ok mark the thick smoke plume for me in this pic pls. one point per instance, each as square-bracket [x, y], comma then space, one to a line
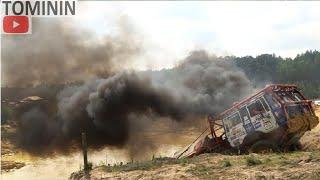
[118, 108]
[114, 110]
[59, 52]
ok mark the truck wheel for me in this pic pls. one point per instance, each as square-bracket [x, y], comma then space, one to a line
[295, 146]
[263, 146]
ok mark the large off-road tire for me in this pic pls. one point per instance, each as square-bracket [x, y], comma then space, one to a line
[264, 146]
[295, 146]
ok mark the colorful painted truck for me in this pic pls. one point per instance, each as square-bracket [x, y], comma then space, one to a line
[274, 119]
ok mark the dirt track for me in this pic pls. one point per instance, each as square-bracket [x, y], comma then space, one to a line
[296, 165]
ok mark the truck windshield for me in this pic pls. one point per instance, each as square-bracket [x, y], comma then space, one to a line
[298, 110]
[273, 102]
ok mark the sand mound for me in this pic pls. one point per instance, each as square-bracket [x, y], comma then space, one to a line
[311, 139]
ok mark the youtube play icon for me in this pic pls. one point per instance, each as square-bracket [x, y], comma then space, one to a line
[16, 24]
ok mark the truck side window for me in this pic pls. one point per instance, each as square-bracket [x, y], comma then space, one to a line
[245, 115]
[226, 123]
[272, 101]
[232, 121]
[264, 104]
[235, 119]
[256, 108]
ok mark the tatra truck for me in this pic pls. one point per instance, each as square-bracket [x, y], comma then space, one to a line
[273, 119]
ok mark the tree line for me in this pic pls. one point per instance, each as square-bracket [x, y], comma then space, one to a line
[303, 70]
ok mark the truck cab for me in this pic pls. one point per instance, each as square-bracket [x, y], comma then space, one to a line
[278, 115]
[275, 118]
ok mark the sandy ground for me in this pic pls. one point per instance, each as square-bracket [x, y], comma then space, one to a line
[296, 165]
[311, 139]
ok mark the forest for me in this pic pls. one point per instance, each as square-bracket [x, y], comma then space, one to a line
[303, 70]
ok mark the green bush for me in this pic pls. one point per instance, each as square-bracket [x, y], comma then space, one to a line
[90, 165]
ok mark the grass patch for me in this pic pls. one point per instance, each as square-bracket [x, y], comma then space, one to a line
[183, 161]
[6, 114]
[133, 166]
[225, 163]
[147, 165]
[199, 170]
[272, 160]
[252, 161]
[314, 156]
[267, 160]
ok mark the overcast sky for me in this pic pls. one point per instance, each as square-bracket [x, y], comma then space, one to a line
[172, 29]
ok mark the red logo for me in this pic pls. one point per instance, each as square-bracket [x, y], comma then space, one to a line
[15, 24]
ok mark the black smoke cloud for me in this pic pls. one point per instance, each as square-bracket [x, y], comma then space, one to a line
[115, 111]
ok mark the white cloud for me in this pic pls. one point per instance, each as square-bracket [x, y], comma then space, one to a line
[171, 29]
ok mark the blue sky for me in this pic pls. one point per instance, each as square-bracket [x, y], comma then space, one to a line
[169, 30]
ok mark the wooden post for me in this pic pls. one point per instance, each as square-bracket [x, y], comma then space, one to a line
[84, 149]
